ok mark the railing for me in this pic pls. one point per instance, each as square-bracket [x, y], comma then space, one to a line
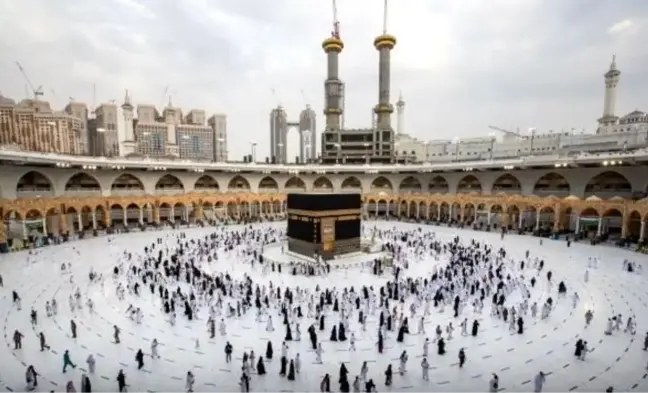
[127, 192]
[34, 194]
[83, 193]
[169, 191]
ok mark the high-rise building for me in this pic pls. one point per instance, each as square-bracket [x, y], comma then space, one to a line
[33, 126]
[194, 138]
[80, 111]
[103, 132]
[278, 134]
[150, 132]
[218, 124]
[307, 135]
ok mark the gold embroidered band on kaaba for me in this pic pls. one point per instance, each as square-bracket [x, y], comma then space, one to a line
[324, 213]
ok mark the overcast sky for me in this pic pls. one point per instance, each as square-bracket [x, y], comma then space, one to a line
[461, 65]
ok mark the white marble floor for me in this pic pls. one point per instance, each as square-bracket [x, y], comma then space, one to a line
[546, 345]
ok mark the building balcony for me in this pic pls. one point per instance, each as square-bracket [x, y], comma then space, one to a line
[128, 192]
[83, 193]
[169, 191]
[34, 194]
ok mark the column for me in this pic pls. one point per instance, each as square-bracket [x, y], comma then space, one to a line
[642, 230]
[438, 211]
[125, 217]
[427, 211]
[80, 222]
[24, 229]
[45, 226]
[520, 219]
[3, 233]
[599, 230]
[476, 213]
[199, 213]
[238, 209]
[94, 220]
[141, 216]
[489, 217]
[462, 213]
[556, 222]
[63, 224]
[577, 231]
[156, 214]
[537, 226]
[624, 225]
[398, 209]
[408, 210]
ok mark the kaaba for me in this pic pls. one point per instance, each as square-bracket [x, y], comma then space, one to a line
[325, 225]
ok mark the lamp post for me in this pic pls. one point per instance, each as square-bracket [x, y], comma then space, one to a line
[337, 154]
[306, 145]
[253, 145]
[281, 145]
[533, 132]
[219, 151]
[456, 140]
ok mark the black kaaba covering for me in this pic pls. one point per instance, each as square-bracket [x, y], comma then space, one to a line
[324, 224]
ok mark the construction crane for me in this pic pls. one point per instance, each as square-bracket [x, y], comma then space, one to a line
[274, 95]
[164, 96]
[507, 132]
[37, 92]
[336, 23]
[304, 98]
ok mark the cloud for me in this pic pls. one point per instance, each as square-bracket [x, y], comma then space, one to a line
[620, 27]
[460, 65]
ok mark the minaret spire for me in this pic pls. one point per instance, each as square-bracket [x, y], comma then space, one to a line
[611, 78]
[384, 43]
[333, 85]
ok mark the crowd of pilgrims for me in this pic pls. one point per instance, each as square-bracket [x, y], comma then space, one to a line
[475, 275]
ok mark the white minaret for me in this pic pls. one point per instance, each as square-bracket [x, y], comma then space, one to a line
[400, 115]
[128, 145]
[609, 102]
[170, 120]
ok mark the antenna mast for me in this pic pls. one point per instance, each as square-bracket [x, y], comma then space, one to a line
[385, 18]
[336, 23]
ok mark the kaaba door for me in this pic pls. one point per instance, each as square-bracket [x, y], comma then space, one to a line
[327, 232]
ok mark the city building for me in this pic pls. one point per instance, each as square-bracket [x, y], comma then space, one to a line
[80, 111]
[218, 124]
[172, 135]
[32, 125]
[103, 134]
[306, 127]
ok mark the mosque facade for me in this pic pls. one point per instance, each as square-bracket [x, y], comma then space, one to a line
[65, 198]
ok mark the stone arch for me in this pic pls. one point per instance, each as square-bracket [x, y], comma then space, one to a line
[438, 184]
[469, 184]
[206, 183]
[607, 184]
[82, 181]
[132, 214]
[381, 183]
[611, 221]
[295, 182]
[552, 183]
[34, 181]
[410, 184]
[634, 225]
[323, 183]
[238, 183]
[169, 182]
[351, 182]
[507, 183]
[127, 181]
[268, 183]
